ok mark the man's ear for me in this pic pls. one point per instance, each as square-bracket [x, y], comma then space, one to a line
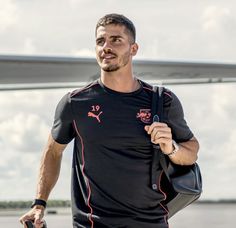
[134, 49]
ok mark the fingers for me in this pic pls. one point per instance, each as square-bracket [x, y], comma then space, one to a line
[160, 137]
[149, 128]
[159, 132]
[31, 224]
[26, 217]
[158, 128]
[162, 141]
[34, 215]
[40, 224]
[38, 219]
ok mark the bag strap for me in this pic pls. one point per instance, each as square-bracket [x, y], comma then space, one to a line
[157, 104]
[157, 115]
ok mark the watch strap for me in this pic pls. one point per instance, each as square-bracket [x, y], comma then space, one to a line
[176, 148]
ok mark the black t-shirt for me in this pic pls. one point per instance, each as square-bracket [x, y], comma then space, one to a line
[111, 185]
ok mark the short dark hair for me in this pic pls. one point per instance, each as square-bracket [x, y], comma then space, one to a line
[118, 19]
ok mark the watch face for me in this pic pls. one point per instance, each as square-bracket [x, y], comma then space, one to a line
[176, 147]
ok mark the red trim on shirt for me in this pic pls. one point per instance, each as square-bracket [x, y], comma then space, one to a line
[85, 177]
[75, 92]
[159, 184]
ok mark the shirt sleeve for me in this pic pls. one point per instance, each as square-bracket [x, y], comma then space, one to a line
[62, 130]
[174, 117]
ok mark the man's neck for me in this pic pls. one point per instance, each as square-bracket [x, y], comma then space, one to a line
[120, 82]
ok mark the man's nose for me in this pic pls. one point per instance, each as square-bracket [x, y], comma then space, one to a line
[107, 47]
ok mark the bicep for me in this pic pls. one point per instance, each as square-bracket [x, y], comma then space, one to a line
[53, 149]
[62, 130]
[58, 147]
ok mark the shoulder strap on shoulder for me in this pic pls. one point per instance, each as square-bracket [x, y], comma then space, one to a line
[157, 115]
[157, 104]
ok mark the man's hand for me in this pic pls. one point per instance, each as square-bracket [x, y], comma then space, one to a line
[35, 214]
[160, 134]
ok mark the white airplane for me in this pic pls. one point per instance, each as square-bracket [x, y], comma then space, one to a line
[41, 72]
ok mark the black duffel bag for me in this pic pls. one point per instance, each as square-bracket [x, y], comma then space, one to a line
[182, 184]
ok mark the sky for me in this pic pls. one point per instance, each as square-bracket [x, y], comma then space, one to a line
[184, 30]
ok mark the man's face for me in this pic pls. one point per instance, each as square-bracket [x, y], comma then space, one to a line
[113, 47]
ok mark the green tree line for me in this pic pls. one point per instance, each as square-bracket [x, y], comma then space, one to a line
[26, 204]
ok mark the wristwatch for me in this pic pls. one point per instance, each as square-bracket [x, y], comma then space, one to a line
[176, 148]
[39, 202]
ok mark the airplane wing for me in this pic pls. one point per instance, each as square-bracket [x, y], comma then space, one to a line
[37, 72]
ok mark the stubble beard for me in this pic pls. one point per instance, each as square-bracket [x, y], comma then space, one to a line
[111, 68]
[115, 67]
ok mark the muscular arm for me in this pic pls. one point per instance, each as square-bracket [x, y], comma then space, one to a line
[49, 168]
[63, 132]
[48, 175]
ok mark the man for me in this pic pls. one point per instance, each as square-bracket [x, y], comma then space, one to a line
[112, 128]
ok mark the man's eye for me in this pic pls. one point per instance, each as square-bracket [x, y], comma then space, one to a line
[116, 40]
[100, 42]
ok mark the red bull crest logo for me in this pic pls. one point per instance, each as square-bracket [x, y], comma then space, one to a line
[144, 115]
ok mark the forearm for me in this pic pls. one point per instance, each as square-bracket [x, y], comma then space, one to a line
[49, 169]
[187, 153]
